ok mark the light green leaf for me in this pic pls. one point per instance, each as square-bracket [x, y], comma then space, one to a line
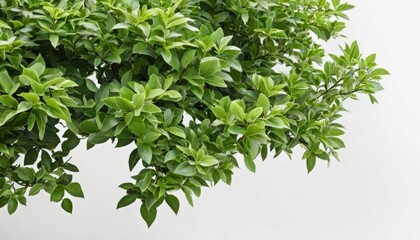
[150, 108]
[9, 101]
[208, 161]
[254, 114]
[6, 82]
[54, 40]
[263, 102]
[171, 95]
[145, 152]
[119, 103]
[237, 111]
[249, 163]
[30, 97]
[188, 57]
[177, 131]
[310, 163]
[185, 169]
[209, 66]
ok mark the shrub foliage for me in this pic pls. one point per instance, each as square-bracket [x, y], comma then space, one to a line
[252, 75]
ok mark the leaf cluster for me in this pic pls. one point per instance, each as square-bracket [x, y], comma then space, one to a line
[131, 71]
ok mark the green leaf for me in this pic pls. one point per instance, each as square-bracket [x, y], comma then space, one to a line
[144, 49]
[46, 160]
[236, 130]
[54, 40]
[26, 174]
[41, 120]
[57, 194]
[310, 163]
[185, 169]
[379, 72]
[113, 58]
[133, 159]
[2, 182]
[67, 205]
[171, 95]
[145, 181]
[216, 81]
[149, 215]
[249, 163]
[75, 190]
[108, 123]
[263, 102]
[145, 152]
[137, 126]
[150, 108]
[335, 142]
[166, 55]
[4, 162]
[30, 97]
[150, 137]
[237, 111]
[126, 200]
[12, 205]
[9, 101]
[254, 114]
[121, 26]
[119, 103]
[88, 126]
[188, 57]
[219, 112]
[277, 122]
[208, 161]
[177, 131]
[172, 202]
[31, 156]
[55, 110]
[6, 82]
[209, 66]
[35, 189]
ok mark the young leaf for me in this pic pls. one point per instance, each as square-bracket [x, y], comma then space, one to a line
[208, 161]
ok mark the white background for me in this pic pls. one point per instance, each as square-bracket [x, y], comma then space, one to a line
[372, 194]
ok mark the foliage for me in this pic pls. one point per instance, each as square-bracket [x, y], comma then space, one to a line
[131, 71]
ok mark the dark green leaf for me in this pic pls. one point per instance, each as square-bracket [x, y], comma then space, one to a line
[67, 205]
[75, 190]
[172, 202]
[57, 194]
[12, 205]
[126, 200]
[149, 215]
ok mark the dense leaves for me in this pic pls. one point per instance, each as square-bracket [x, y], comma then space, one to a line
[252, 77]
